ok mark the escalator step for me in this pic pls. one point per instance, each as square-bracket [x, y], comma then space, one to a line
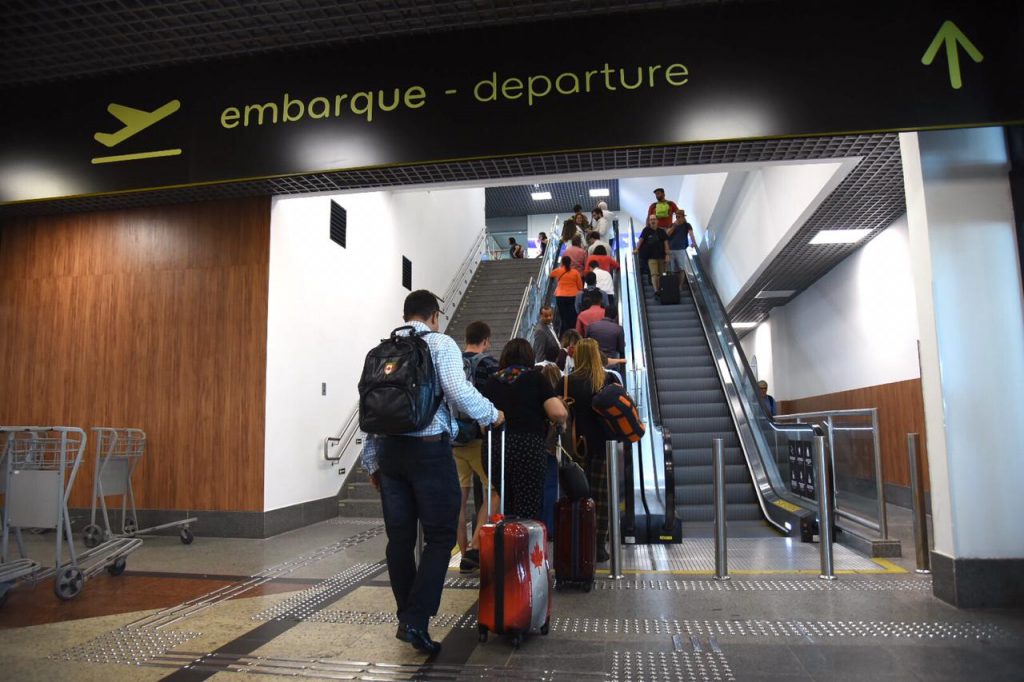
[686, 441]
[680, 410]
[704, 475]
[706, 513]
[735, 493]
[701, 456]
[698, 425]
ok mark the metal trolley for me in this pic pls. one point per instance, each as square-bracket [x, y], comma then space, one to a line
[118, 452]
[40, 466]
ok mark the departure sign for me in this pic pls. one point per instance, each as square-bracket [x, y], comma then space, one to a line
[717, 72]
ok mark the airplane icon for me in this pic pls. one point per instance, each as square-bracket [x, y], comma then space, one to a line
[135, 121]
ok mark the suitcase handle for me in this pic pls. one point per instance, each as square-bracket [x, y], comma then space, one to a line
[490, 476]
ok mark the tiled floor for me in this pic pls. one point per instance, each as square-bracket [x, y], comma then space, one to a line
[316, 603]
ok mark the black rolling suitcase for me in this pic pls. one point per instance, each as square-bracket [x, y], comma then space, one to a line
[669, 288]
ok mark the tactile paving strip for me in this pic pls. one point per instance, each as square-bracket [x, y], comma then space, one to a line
[462, 583]
[356, 521]
[734, 585]
[441, 620]
[127, 646]
[359, 670]
[309, 601]
[745, 554]
[780, 628]
[670, 666]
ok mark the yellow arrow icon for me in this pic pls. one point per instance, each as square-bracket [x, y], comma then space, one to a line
[951, 36]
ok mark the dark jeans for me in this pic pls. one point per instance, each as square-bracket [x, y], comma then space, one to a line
[418, 484]
[566, 312]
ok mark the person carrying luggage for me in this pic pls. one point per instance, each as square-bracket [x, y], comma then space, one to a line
[528, 401]
[587, 378]
[411, 386]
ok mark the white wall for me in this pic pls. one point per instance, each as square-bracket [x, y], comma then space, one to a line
[968, 282]
[855, 327]
[328, 306]
[773, 205]
[699, 196]
[757, 346]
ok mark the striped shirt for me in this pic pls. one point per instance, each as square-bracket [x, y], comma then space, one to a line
[459, 395]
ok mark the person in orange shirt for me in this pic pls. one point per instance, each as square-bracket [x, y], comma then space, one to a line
[607, 263]
[568, 283]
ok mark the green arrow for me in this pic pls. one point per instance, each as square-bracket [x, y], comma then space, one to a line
[951, 35]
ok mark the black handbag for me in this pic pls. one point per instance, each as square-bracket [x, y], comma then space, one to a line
[572, 478]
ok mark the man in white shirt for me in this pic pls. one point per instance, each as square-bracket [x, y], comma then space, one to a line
[604, 282]
[600, 223]
[595, 240]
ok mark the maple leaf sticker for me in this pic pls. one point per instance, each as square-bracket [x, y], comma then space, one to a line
[537, 556]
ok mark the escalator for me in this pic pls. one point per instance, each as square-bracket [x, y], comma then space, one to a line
[694, 409]
[693, 384]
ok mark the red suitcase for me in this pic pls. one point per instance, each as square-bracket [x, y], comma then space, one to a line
[575, 543]
[515, 580]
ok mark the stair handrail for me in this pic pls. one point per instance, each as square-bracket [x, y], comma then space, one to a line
[537, 291]
[524, 301]
[350, 432]
[451, 298]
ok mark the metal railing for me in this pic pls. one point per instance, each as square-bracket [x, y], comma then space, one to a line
[855, 455]
[537, 292]
[349, 434]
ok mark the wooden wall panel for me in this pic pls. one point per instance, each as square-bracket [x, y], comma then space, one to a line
[900, 411]
[154, 318]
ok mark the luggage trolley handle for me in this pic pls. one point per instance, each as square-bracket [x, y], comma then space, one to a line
[491, 479]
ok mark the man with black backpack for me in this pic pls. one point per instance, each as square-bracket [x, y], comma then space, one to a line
[478, 367]
[411, 386]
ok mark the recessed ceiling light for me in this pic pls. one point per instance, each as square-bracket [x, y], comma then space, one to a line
[775, 293]
[744, 325]
[839, 236]
[540, 196]
[599, 192]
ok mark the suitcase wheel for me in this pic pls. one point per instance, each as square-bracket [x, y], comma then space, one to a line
[546, 628]
[482, 634]
[588, 586]
[517, 640]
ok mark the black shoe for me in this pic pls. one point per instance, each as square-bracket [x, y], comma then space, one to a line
[419, 639]
[602, 554]
[470, 561]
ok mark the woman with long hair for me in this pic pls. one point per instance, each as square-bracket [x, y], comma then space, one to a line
[569, 282]
[529, 401]
[587, 378]
[542, 239]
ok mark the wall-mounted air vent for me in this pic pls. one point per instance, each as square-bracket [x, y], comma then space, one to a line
[339, 224]
[406, 273]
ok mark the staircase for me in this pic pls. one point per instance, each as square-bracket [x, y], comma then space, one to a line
[694, 409]
[493, 296]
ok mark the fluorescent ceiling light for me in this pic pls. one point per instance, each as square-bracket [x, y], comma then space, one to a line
[540, 196]
[744, 325]
[599, 192]
[775, 293]
[839, 236]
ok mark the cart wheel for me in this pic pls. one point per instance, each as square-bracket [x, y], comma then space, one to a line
[546, 628]
[482, 636]
[130, 526]
[92, 536]
[588, 586]
[68, 583]
[186, 536]
[117, 568]
[517, 640]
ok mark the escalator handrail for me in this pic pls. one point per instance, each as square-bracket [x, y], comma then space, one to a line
[725, 345]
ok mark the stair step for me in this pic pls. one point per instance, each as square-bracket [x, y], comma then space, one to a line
[686, 456]
[704, 475]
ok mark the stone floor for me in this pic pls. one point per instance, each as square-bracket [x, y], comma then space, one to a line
[316, 603]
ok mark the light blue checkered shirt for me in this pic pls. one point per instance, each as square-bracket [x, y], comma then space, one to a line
[458, 393]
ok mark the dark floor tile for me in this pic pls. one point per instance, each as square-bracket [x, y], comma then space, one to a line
[869, 660]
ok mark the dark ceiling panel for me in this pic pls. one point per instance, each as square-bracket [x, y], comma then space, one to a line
[60, 39]
[506, 202]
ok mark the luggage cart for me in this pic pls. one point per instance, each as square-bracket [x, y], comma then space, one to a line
[11, 571]
[40, 468]
[118, 452]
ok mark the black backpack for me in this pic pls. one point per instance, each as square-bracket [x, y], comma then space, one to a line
[398, 391]
[468, 430]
